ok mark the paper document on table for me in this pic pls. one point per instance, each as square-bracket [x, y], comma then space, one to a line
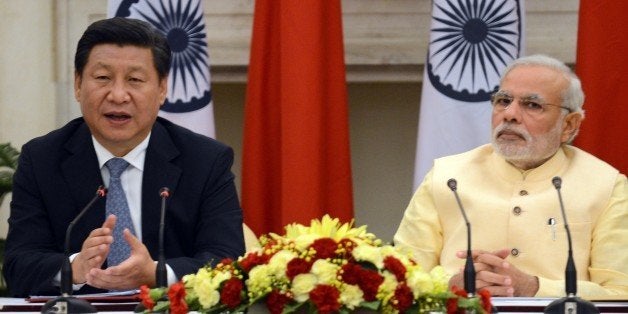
[112, 296]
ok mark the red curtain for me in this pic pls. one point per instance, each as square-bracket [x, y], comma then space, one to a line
[602, 64]
[296, 161]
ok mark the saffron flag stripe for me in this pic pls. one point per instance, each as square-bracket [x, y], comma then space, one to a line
[189, 102]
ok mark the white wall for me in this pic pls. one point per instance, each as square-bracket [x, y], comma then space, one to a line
[26, 75]
[385, 43]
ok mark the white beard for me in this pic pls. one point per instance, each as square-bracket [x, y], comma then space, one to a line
[536, 150]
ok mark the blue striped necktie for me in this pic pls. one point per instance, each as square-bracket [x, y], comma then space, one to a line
[117, 204]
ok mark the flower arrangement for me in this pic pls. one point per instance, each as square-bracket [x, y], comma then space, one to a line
[327, 267]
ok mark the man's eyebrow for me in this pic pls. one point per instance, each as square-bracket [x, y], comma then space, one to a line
[532, 97]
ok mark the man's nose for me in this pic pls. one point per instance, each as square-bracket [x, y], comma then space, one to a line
[513, 112]
[118, 93]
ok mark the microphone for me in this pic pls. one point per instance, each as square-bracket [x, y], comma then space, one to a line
[571, 303]
[469, 269]
[161, 272]
[66, 303]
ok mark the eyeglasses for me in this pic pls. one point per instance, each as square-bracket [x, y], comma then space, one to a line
[531, 104]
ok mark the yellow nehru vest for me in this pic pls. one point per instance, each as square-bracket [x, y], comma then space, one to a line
[519, 210]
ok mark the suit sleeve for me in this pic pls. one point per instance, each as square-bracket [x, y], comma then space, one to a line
[218, 233]
[32, 255]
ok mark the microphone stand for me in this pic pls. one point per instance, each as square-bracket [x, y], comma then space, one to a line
[66, 303]
[469, 269]
[161, 272]
[571, 304]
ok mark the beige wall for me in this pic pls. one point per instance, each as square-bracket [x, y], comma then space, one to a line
[385, 47]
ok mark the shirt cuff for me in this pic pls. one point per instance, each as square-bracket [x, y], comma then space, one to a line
[56, 281]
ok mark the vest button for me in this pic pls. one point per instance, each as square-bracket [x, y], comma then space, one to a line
[516, 210]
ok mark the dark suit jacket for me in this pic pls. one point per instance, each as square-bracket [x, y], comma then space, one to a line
[58, 174]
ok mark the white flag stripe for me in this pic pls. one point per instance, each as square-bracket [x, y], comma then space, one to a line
[471, 42]
[189, 101]
[194, 120]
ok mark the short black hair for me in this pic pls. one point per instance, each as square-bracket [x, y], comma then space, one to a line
[124, 31]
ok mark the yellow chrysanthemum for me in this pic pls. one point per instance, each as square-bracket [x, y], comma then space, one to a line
[387, 288]
[329, 228]
[260, 281]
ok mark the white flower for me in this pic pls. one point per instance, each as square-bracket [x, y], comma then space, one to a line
[302, 284]
[351, 296]
[369, 253]
[279, 262]
[325, 271]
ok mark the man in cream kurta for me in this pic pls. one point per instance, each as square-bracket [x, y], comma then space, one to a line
[518, 235]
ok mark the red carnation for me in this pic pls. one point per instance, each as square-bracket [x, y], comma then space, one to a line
[176, 295]
[485, 298]
[351, 273]
[297, 266]
[276, 302]
[404, 298]
[459, 292]
[396, 267]
[452, 306]
[226, 261]
[325, 248]
[147, 301]
[231, 292]
[325, 298]
[369, 283]
[253, 259]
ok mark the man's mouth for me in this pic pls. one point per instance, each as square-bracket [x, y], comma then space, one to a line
[117, 116]
[510, 135]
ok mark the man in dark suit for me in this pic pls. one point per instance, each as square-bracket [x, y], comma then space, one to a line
[121, 70]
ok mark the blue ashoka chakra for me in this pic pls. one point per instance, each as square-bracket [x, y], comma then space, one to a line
[183, 24]
[471, 42]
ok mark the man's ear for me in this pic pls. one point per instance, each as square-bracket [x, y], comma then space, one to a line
[77, 85]
[163, 90]
[571, 126]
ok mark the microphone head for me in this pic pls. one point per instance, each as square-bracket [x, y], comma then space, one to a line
[101, 191]
[557, 181]
[452, 184]
[164, 192]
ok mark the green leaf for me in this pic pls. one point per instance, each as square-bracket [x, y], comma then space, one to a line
[8, 156]
[373, 305]
[6, 181]
[161, 306]
[157, 293]
[8, 164]
[292, 307]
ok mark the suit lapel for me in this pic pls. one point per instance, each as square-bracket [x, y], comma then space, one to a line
[159, 171]
[82, 175]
